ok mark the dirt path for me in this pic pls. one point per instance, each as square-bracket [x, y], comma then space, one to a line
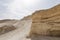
[20, 33]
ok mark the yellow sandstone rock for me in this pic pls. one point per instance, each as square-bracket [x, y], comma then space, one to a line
[46, 22]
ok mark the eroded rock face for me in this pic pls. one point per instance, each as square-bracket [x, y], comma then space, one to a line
[6, 28]
[46, 22]
[27, 17]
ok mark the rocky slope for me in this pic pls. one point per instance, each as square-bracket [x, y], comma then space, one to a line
[27, 17]
[46, 22]
[15, 29]
[6, 28]
[20, 33]
[6, 25]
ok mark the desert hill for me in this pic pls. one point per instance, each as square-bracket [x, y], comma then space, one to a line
[46, 22]
[15, 29]
[43, 24]
[7, 25]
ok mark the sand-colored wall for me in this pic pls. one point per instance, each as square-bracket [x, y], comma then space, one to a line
[46, 22]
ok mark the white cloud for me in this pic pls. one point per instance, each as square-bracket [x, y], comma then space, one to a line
[21, 8]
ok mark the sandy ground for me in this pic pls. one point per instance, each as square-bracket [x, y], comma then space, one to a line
[20, 33]
[23, 29]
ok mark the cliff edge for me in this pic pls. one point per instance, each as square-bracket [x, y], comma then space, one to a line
[46, 22]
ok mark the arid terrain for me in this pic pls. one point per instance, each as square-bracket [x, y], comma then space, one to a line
[21, 31]
[41, 25]
[46, 23]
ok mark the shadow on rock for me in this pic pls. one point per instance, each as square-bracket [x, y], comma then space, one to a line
[6, 28]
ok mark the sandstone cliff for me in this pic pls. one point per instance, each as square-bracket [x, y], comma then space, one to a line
[46, 22]
[27, 17]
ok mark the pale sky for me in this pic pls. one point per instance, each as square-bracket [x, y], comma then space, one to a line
[17, 9]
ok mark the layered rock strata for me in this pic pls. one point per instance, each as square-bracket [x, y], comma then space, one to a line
[46, 22]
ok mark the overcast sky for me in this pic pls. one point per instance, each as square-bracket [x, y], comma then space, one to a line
[16, 9]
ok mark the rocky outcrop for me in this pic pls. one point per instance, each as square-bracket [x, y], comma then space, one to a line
[46, 22]
[27, 17]
[6, 28]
